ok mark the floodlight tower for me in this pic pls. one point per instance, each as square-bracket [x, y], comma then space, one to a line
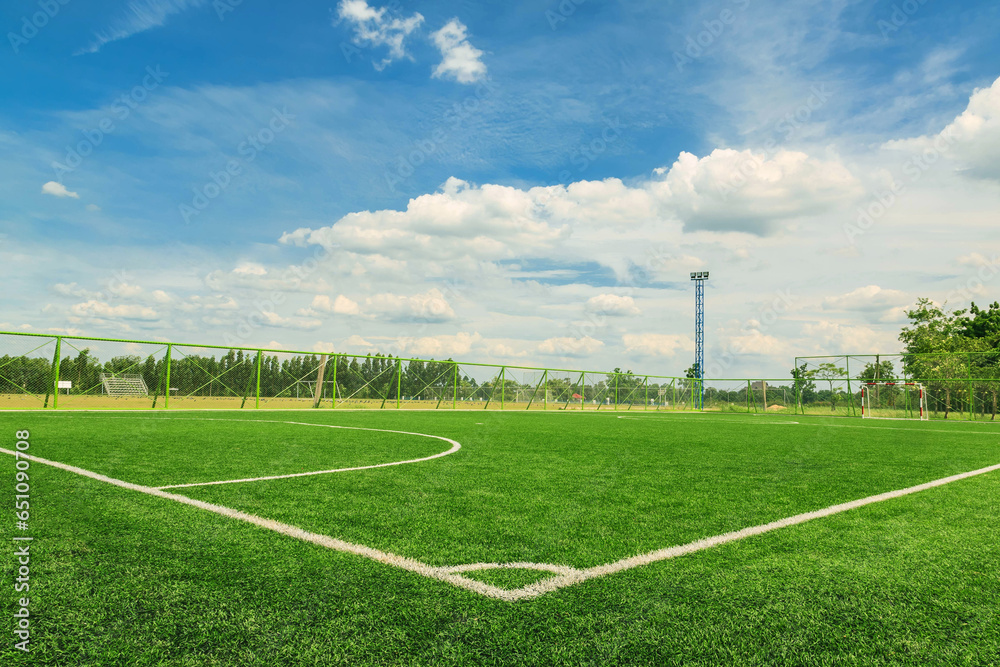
[699, 278]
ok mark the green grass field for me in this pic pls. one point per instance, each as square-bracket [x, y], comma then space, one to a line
[122, 577]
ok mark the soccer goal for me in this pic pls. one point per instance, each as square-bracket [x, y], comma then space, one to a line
[124, 385]
[894, 400]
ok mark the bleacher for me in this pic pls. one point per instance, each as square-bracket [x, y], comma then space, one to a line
[124, 385]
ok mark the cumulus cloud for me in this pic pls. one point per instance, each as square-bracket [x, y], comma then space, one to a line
[440, 347]
[656, 345]
[570, 347]
[341, 305]
[611, 304]
[831, 337]
[743, 191]
[357, 345]
[57, 189]
[379, 27]
[883, 305]
[972, 139]
[491, 222]
[430, 306]
[460, 61]
[103, 310]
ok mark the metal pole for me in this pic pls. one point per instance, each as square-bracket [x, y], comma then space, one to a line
[699, 278]
[399, 380]
[55, 370]
[850, 394]
[260, 358]
[166, 397]
[616, 391]
[454, 396]
[971, 395]
[545, 396]
[335, 357]
[503, 385]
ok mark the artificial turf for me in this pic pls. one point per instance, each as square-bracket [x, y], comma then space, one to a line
[123, 578]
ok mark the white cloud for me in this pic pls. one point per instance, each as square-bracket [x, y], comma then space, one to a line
[94, 308]
[882, 305]
[358, 345]
[978, 260]
[461, 61]
[439, 347]
[377, 27]
[344, 306]
[830, 337]
[140, 16]
[972, 139]
[570, 347]
[250, 269]
[744, 191]
[57, 189]
[753, 341]
[656, 345]
[325, 348]
[611, 304]
[93, 208]
[430, 306]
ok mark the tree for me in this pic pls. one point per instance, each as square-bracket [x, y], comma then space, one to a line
[931, 341]
[830, 372]
[804, 382]
[981, 331]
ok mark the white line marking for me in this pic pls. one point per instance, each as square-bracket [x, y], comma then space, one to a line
[565, 575]
[455, 446]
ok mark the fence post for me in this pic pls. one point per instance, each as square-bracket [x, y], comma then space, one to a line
[166, 397]
[850, 394]
[971, 394]
[55, 373]
[545, 394]
[503, 385]
[616, 391]
[260, 354]
[454, 396]
[335, 357]
[399, 380]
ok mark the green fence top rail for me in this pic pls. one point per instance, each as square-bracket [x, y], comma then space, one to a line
[330, 354]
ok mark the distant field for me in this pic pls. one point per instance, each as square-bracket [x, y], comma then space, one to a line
[412, 562]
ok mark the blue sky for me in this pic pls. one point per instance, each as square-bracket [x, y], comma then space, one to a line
[499, 181]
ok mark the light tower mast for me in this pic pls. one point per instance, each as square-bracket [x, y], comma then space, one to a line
[699, 278]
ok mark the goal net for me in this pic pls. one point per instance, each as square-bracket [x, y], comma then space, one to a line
[894, 400]
[124, 385]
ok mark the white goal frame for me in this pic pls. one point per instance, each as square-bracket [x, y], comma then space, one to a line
[919, 409]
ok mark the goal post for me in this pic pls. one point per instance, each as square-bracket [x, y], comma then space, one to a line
[894, 400]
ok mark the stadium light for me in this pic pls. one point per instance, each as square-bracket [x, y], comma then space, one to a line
[699, 278]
